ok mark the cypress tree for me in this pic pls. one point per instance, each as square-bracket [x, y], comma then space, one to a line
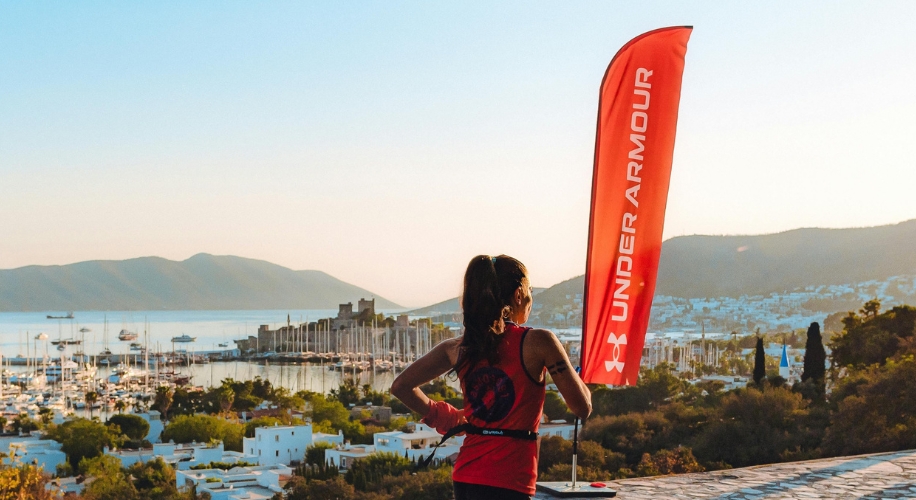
[760, 362]
[815, 356]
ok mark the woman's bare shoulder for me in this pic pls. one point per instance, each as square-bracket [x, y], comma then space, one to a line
[451, 343]
[542, 336]
[450, 346]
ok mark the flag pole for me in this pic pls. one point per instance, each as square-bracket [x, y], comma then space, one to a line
[575, 451]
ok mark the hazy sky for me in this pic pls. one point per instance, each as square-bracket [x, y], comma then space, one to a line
[387, 143]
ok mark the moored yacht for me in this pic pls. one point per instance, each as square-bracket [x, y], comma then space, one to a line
[127, 335]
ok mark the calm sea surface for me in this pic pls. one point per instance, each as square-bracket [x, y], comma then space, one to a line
[156, 328]
[18, 332]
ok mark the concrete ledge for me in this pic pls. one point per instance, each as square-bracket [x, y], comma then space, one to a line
[875, 476]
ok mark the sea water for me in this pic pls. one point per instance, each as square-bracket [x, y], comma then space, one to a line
[18, 331]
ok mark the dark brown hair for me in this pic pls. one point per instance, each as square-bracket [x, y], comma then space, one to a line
[489, 287]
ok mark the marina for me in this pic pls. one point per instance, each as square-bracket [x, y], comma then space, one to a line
[81, 372]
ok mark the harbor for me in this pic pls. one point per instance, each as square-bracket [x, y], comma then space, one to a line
[90, 368]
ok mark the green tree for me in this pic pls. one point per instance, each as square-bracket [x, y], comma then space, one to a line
[555, 450]
[261, 388]
[876, 410]
[755, 426]
[554, 406]
[22, 423]
[871, 308]
[335, 488]
[203, 429]
[654, 388]
[314, 454]
[329, 413]
[440, 388]
[874, 339]
[23, 481]
[815, 356]
[226, 397]
[632, 434]
[84, 439]
[760, 362]
[109, 481]
[132, 426]
[92, 398]
[434, 484]
[679, 461]
[370, 470]
[347, 393]
[254, 423]
[45, 415]
[163, 401]
[154, 480]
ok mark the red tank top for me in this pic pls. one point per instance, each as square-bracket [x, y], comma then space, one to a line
[501, 396]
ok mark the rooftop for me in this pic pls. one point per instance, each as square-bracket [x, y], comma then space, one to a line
[876, 476]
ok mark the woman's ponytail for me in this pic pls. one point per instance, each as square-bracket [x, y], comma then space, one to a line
[489, 285]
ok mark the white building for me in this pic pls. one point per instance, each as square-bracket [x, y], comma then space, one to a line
[181, 456]
[729, 382]
[344, 455]
[61, 486]
[417, 443]
[154, 420]
[260, 482]
[557, 428]
[30, 450]
[284, 445]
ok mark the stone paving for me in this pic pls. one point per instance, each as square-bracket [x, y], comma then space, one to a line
[877, 476]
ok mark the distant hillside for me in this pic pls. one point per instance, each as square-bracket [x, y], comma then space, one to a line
[732, 266]
[451, 306]
[202, 282]
[445, 307]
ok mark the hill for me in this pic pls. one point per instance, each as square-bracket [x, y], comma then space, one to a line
[202, 282]
[453, 305]
[732, 266]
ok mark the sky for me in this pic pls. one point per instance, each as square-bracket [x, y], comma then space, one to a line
[387, 143]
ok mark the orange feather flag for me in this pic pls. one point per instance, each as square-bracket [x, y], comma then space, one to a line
[634, 147]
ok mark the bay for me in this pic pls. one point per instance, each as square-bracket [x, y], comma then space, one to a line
[19, 329]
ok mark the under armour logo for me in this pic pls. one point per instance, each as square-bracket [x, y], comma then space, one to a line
[615, 364]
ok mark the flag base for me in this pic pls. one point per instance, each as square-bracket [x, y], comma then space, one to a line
[564, 489]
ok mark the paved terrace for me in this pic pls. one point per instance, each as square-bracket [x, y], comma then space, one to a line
[877, 476]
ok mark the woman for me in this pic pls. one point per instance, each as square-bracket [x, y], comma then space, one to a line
[502, 368]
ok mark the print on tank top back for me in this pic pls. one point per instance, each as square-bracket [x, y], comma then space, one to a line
[490, 393]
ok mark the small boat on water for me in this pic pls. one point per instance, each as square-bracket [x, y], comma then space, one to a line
[127, 335]
[184, 338]
[224, 344]
[66, 342]
[85, 330]
[68, 316]
[136, 346]
[121, 374]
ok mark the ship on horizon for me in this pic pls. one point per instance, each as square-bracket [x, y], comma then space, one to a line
[127, 335]
[68, 316]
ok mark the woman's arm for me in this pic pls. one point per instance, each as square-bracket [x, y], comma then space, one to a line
[406, 386]
[576, 394]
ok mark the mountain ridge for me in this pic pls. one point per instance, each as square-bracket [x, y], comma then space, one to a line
[709, 266]
[201, 282]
